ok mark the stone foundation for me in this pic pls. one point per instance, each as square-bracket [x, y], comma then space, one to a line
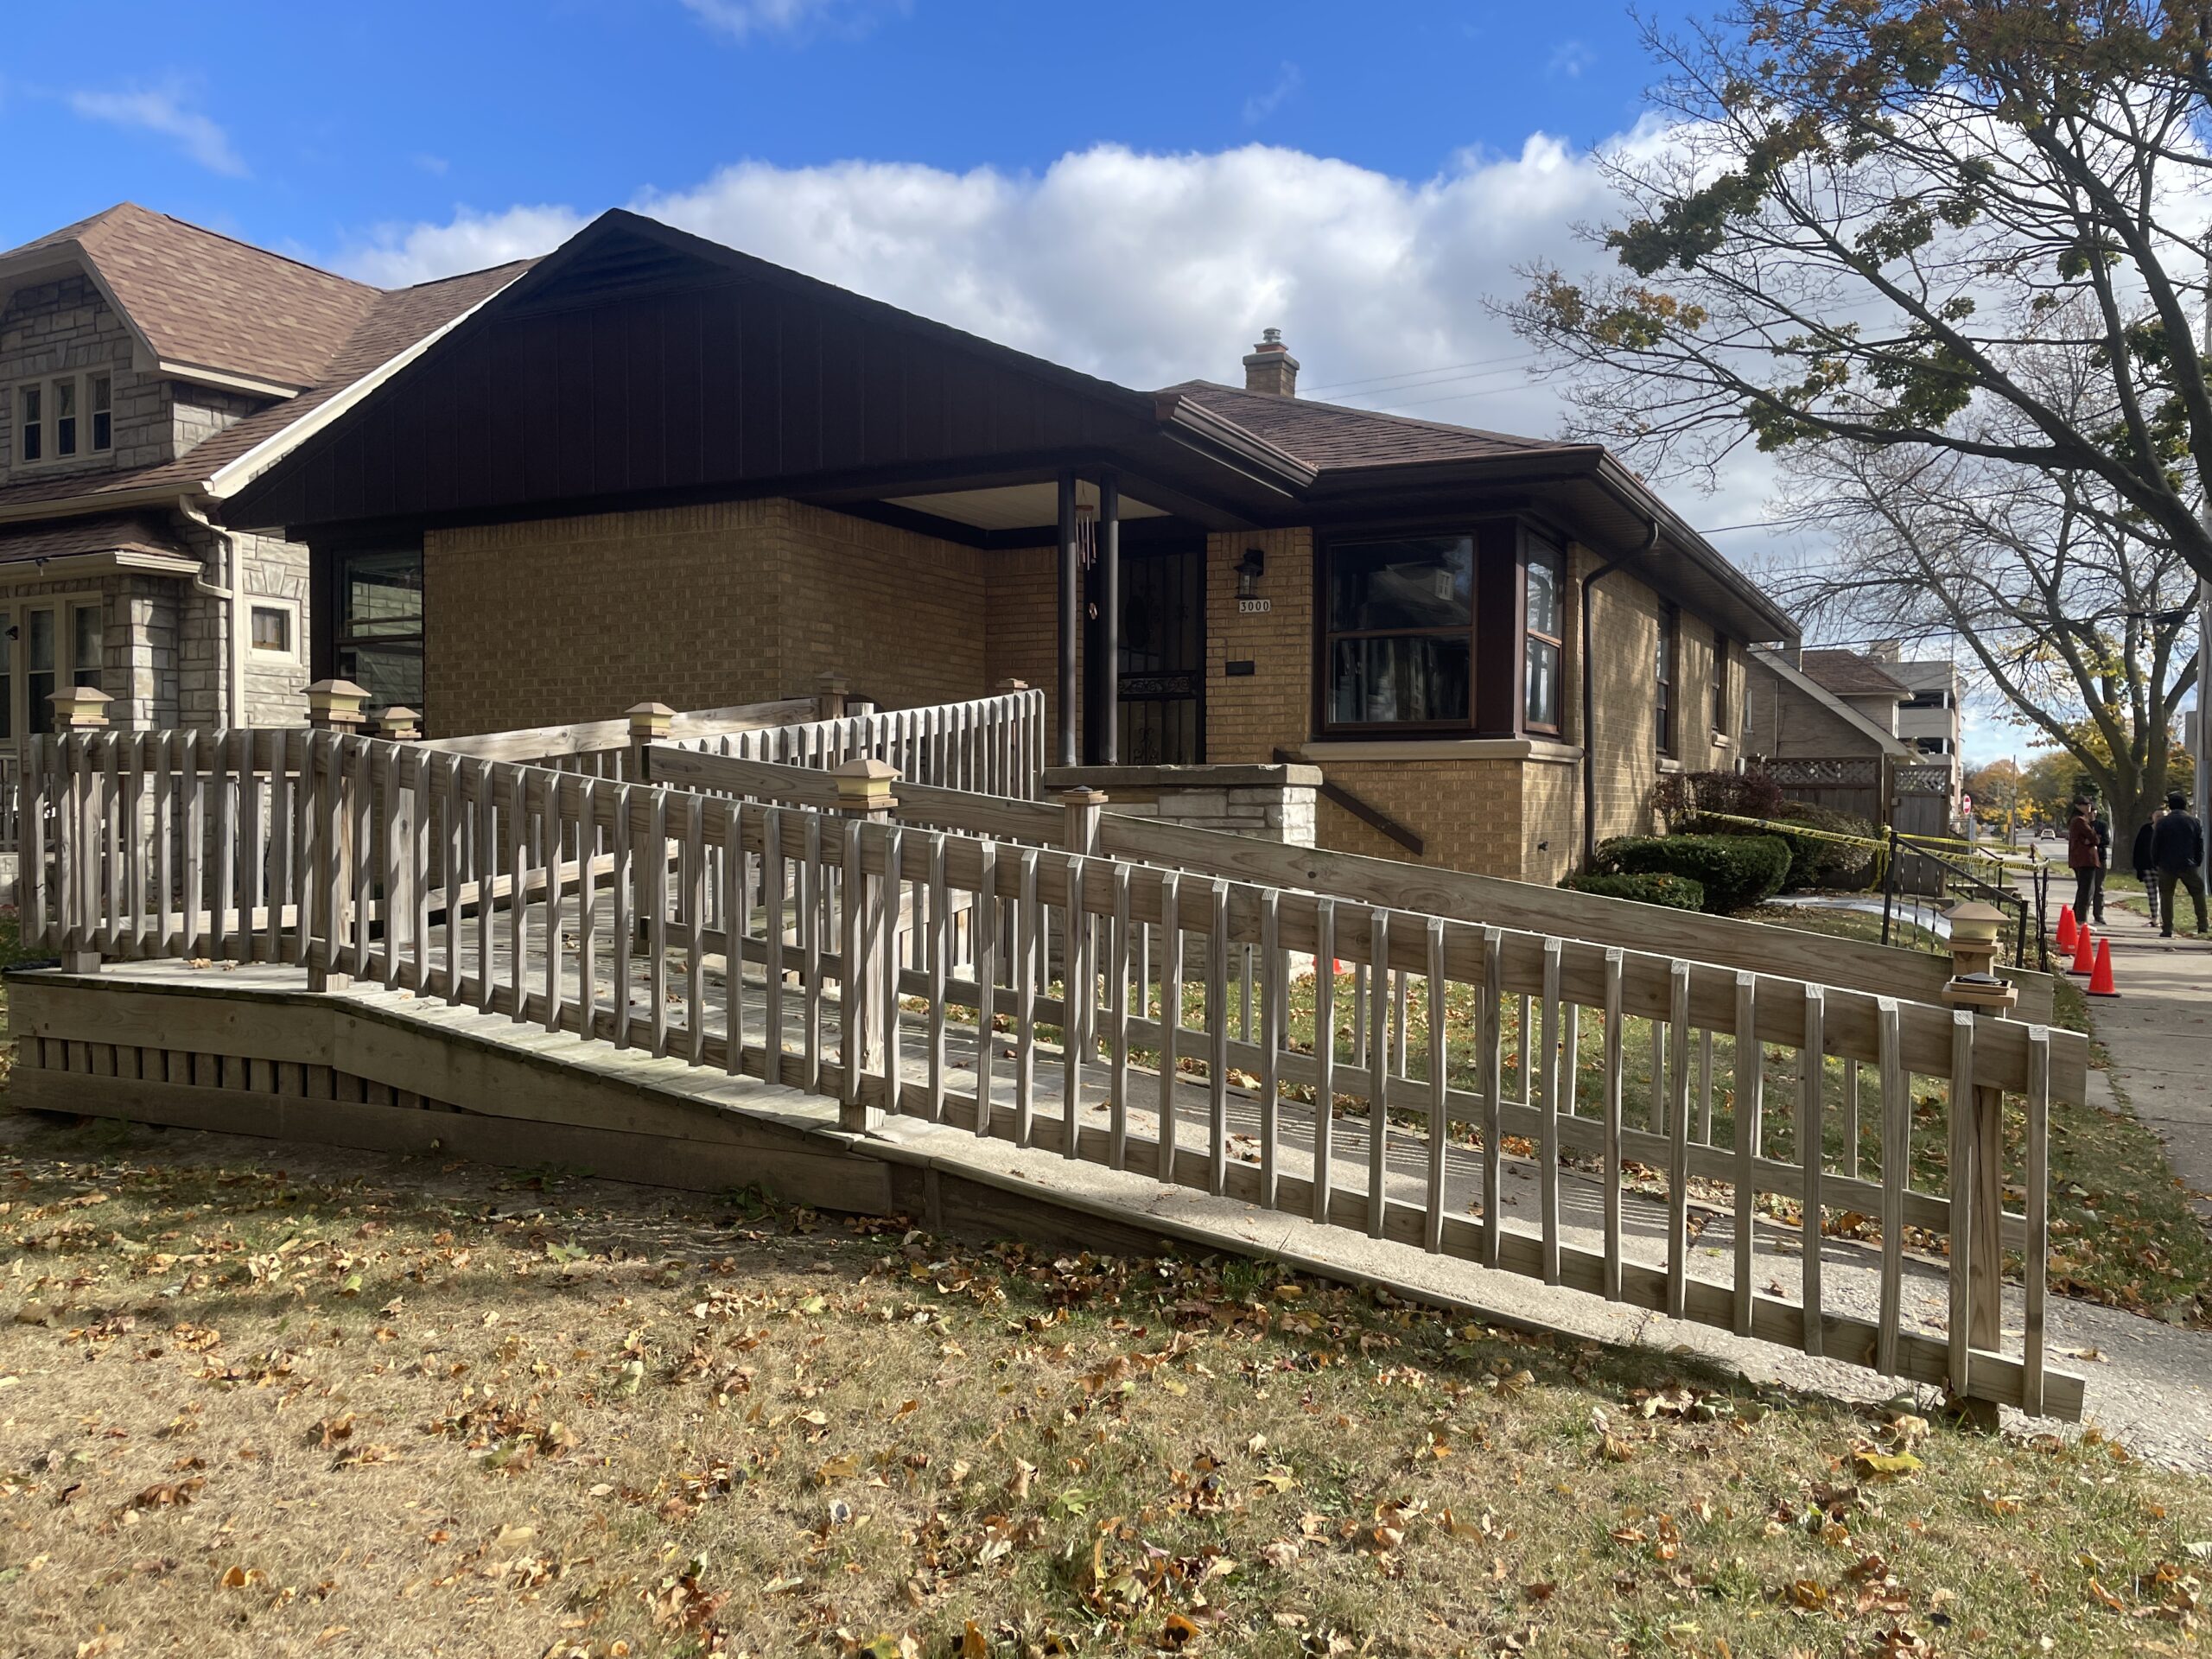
[1269, 802]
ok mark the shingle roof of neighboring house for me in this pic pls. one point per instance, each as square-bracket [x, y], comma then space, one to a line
[398, 319]
[204, 300]
[1326, 435]
[1849, 674]
[107, 532]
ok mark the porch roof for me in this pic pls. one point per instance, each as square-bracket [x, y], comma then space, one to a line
[111, 540]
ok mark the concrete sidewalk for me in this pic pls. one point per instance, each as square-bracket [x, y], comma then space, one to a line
[2159, 1035]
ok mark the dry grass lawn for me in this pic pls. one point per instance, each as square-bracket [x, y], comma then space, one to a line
[274, 1401]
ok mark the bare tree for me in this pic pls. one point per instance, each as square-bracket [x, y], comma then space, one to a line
[1863, 218]
[2080, 624]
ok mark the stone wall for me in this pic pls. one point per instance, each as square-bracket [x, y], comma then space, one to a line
[67, 325]
[1269, 802]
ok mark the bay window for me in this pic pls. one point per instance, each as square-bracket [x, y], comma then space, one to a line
[1543, 629]
[1399, 620]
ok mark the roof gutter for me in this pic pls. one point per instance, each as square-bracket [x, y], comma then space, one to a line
[1590, 691]
[228, 597]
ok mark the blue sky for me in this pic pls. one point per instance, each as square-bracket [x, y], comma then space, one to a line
[1134, 189]
[328, 121]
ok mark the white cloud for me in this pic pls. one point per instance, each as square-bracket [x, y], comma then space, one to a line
[1151, 268]
[744, 19]
[436, 166]
[1569, 60]
[1260, 106]
[163, 109]
[399, 255]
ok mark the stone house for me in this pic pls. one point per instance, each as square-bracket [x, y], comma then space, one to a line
[147, 367]
[654, 467]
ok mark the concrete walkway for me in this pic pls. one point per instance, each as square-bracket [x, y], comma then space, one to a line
[2159, 1035]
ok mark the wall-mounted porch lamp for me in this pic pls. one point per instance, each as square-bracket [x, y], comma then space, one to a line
[1249, 569]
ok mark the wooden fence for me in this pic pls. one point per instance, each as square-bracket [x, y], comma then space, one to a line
[834, 948]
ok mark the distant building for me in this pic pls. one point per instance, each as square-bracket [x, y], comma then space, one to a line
[1928, 718]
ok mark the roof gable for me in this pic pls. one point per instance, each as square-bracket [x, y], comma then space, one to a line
[207, 305]
[640, 359]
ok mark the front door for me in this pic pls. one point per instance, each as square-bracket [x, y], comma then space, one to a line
[1163, 667]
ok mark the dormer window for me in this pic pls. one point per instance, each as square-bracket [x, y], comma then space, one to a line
[64, 417]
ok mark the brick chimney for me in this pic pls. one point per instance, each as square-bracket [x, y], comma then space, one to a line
[1271, 368]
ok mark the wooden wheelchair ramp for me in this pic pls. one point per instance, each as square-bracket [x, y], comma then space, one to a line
[370, 944]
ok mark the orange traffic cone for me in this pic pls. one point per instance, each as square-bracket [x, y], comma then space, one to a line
[2065, 928]
[2085, 951]
[2100, 982]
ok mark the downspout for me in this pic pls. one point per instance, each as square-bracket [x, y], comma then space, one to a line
[233, 637]
[1590, 695]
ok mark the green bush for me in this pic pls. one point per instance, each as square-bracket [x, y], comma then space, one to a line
[1736, 871]
[1676, 892]
[1814, 861]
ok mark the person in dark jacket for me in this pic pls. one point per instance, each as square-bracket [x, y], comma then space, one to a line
[2081, 859]
[2145, 864]
[2103, 827]
[2178, 848]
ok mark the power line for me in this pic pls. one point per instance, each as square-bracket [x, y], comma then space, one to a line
[1410, 374]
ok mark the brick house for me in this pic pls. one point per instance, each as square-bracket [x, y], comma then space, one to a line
[1823, 704]
[654, 467]
[146, 367]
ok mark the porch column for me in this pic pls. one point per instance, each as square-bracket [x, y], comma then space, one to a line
[1071, 621]
[1109, 676]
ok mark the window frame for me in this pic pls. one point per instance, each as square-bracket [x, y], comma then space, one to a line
[19, 716]
[1535, 548]
[1326, 636]
[1720, 704]
[84, 418]
[333, 641]
[289, 609]
[1666, 674]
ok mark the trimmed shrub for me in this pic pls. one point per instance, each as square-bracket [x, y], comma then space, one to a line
[1814, 861]
[1736, 871]
[1676, 892]
[1681, 796]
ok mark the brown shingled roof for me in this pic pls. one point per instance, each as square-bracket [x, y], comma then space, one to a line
[1848, 674]
[107, 532]
[215, 303]
[1331, 435]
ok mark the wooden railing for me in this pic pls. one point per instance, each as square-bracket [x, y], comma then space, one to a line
[989, 745]
[1072, 998]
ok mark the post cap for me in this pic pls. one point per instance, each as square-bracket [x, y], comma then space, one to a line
[400, 723]
[1084, 795]
[1975, 922]
[651, 720]
[80, 708]
[1011, 685]
[830, 680]
[864, 784]
[335, 702]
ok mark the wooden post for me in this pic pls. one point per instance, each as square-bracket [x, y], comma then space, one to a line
[1082, 806]
[1976, 929]
[829, 695]
[333, 706]
[650, 723]
[400, 724]
[871, 903]
[78, 711]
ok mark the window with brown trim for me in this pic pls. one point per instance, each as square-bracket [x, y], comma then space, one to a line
[1543, 634]
[1663, 677]
[1720, 684]
[1398, 634]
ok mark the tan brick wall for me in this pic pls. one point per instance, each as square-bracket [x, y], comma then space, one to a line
[1022, 625]
[577, 619]
[1248, 717]
[1551, 820]
[1468, 813]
